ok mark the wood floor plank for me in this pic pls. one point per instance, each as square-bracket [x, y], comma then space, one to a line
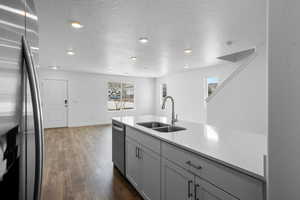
[78, 166]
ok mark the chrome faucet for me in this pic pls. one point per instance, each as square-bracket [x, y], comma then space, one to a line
[173, 112]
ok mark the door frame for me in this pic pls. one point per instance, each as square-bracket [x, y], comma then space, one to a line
[67, 91]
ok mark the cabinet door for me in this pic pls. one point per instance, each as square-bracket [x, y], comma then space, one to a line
[206, 191]
[177, 183]
[132, 163]
[150, 173]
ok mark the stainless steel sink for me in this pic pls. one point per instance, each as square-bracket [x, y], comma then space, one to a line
[168, 129]
[153, 125]
[161, 127]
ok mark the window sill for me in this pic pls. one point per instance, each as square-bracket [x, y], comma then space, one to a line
[123, 110]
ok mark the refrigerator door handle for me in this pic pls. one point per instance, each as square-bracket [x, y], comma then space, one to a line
[37, 115]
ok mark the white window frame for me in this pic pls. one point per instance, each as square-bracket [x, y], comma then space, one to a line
[134, 98]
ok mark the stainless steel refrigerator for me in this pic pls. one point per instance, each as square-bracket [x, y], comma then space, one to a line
[21, 128]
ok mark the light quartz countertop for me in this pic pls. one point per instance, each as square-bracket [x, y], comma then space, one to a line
[241, 150]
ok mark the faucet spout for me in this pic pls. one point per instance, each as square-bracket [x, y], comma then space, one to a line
[173, 110]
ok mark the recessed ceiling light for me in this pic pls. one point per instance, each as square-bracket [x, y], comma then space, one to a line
[143, 40]
[188, 51]
[70, 52]
[186, 67]
[76, 24]
[54, 67]
[133, 58]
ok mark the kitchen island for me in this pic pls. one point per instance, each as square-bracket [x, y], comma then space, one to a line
[201, 160]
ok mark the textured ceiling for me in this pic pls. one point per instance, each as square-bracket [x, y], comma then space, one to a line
[112, 29]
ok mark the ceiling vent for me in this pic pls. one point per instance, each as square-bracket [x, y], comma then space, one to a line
[237, 56]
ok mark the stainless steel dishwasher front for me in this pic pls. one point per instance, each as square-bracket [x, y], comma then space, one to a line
[118, 146]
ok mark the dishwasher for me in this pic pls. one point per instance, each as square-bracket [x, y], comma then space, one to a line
[118, 146]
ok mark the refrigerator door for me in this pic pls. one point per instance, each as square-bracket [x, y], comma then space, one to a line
[33, 140]
[12, 27]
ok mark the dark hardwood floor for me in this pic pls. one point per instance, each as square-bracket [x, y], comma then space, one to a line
[78, 166]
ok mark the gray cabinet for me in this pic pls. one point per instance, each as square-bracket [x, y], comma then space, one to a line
[159, 170]
[180, 184]
[132, 163]
[177, 183]
[206, 191]
[150, 173]
[233, 182]
[143, 169]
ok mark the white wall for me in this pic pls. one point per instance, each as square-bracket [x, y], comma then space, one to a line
[188, 90]
[88, 96]
[284, 100]
[242, 103]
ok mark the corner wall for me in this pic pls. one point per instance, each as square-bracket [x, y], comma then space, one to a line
[188, 89]
[242, 103]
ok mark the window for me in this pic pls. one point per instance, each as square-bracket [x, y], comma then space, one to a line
[120, 96]
[128, 96]
[212, 84]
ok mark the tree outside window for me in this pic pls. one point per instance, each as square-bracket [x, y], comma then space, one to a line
[212, 84]
[120, 96]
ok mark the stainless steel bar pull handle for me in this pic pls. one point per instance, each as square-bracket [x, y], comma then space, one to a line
[37, 115]
[136, 152]
[190, 194]
[193, 165]
[196, 186]
[140, 154]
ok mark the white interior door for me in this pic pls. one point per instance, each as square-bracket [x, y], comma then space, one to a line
[55, 103]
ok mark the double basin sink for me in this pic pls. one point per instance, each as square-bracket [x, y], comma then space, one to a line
[161, 127]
